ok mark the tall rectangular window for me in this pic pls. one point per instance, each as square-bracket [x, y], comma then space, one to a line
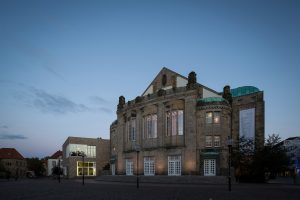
[174, 123]
[149, 166]
[132, 130]
[216, 117]
[150, 126]
[217, 141]
[208, 117]
[129, 167]
[174, 165]
[208, 141]
[91, 152]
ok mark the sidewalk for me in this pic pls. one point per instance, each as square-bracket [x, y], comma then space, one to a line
[285, 180]
[213, 180]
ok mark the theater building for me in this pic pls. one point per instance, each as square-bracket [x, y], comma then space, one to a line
[180, 127]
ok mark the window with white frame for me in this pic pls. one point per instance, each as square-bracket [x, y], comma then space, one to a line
[150, 126]
[174, 165]
[129, 167]
[88, 168]
[217, 141]
[212, 117]
[209, 167]
[132, 129]
[174, 122]
[149, 166]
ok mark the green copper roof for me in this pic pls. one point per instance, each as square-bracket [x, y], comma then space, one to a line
[245, 90]
[211, 99]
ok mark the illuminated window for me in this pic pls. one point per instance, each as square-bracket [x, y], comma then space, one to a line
[174, 123]
[174, 165]
[149, 166]
[216, 117]
[89, 168]
[150, 126]
[208, 141]
[209, 117]
[212, 117]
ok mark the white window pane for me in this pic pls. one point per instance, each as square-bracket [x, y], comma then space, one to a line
[180, 122]
[174, 123]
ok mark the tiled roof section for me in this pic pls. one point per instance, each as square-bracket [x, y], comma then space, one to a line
[56, 155]
[10, 153]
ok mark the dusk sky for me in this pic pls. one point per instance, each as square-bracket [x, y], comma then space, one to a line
[63, 64]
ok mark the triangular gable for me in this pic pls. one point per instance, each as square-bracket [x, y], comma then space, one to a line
[174, 79]
[165, 79]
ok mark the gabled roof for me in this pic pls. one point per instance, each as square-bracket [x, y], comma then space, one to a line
[10, 153]
[164, 69]
[56, 155]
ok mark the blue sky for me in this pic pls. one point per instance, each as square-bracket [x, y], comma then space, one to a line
[63, 64]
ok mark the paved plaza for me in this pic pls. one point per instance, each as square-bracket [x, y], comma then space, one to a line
[32, 189]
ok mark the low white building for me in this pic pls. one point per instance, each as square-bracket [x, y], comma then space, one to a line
[53, 161]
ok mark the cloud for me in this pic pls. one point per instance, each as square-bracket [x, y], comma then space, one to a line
[55, 73]
[7, 136]
[106, 110]
[98, 100]
[46, 102]
[4, 127]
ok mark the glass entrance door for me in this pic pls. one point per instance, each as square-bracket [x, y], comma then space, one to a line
[209, 167]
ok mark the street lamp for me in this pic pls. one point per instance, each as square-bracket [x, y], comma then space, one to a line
[82, 155]
[59, 171]
[137, 149]
[229, 144]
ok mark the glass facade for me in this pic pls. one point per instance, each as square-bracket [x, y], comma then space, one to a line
[75, 149]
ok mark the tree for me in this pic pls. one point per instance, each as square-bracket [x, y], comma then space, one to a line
[254, 163]
[56, 171]
[275, 157]
[36, 165]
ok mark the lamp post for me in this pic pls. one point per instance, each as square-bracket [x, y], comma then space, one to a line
[59, 169]
[82, 155]
[137, 149]
[229, 144]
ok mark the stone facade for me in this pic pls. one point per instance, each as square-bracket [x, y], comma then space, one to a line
[100, 157]
[181, 126]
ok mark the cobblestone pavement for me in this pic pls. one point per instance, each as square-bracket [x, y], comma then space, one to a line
[73, 189]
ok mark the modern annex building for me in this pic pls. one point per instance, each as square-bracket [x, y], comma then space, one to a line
[180, 127]
[96, 156]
